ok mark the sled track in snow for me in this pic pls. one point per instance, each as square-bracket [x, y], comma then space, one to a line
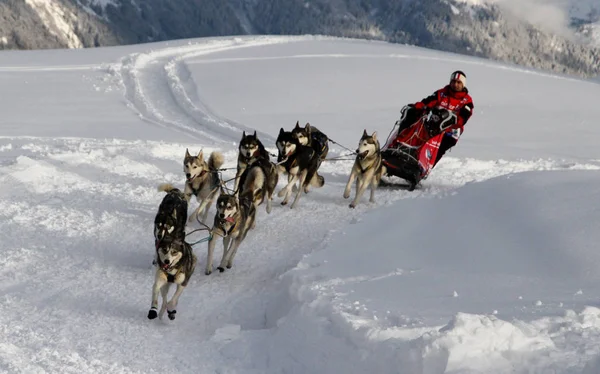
[159, 87]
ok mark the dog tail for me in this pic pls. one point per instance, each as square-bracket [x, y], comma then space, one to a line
[166, 187]
[216, 160]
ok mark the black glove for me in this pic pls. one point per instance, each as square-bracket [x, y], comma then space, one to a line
[438, 121]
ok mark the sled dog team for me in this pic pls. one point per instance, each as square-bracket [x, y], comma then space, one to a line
[440, 116]
[300, 154]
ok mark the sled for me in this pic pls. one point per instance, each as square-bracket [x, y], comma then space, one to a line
[410, 154]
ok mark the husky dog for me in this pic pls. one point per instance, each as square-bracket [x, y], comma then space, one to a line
[232, 221]
[171, 217]
[250, 150]
[300, 162]
[202, 180]
[367, 167]
[176, 264]
[172, 214]
[259, 181]
[312, 137]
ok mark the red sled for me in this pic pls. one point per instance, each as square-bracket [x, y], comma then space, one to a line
[410, 154]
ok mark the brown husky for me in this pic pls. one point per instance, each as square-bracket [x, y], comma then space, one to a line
[367, 168]
[232, 221]
[202, 180]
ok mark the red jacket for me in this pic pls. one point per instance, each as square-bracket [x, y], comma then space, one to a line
[460, 103]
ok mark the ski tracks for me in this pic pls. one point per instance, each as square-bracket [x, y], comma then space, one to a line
[159, 87]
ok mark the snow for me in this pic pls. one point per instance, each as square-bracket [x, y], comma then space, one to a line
[491, 267]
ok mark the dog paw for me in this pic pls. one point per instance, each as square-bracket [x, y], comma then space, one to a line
[208, 272]
[346, 195]
[352, 206]
[171, 314]
[284, 203]
[229, 266]
[152, 313]
[221, 269]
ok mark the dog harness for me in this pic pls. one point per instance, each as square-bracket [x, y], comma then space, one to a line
[227, 232]
[377, 165]
[214, 185]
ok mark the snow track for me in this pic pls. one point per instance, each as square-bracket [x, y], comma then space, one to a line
[159, 87]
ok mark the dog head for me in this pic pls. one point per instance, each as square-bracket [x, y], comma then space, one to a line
[302, 133]
[169, 253]
[286, 144]
[227, 208]
[250, 146]
[367, 146]
[194, 166]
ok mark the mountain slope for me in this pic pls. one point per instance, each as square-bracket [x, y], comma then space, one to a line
[487, 29]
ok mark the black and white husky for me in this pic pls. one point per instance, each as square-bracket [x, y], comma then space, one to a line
[172, 214]
[250, 151]
[300, 162]
[256, 169]
[176, 264]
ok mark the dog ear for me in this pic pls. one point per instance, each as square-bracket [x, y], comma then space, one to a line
[187, 153]
[243, 134]
[374, 135]
[297, 125]
[255, 133]
[281, 131]
[200, 155]
[365, 133]
[307, 127]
